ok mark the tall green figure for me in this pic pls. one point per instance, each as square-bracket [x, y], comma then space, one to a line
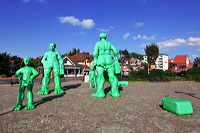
[26, 76]
[52, 61]
[104, 61]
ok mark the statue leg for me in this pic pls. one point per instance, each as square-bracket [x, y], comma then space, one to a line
[100, 83]
[45, 82]
[30, 104]
[57, 82]
[20, 98]
[113, 82]
[91, 84]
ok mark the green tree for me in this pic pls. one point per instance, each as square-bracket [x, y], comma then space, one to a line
[136, 56]
[152, 52]
[196, 61]
[124, 56]
[4, 63]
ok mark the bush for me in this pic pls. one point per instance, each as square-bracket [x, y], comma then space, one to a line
[193, 74]
[143, 73]
[156, 75]
[169, 73]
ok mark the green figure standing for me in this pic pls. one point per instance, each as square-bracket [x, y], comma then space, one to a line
[26, 76]
[103, 61]
[52, 61]
[92, 77]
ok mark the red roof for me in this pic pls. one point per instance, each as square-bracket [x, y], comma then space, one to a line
[179, 59]
[81, 57]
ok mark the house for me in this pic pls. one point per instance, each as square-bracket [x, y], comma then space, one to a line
[81, 63]
[72, 68]
[136, 64]
[180, 63]
[161, 62]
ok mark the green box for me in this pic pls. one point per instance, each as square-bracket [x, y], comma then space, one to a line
[177, 106]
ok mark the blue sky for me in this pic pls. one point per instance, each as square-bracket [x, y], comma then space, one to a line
[27, 27]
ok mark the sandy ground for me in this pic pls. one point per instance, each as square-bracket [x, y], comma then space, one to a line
[137, 110]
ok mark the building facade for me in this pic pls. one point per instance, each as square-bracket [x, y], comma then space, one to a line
[161, 62]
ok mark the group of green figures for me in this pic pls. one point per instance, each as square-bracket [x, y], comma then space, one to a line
[52, 61]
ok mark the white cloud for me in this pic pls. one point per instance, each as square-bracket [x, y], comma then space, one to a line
[171, 43]
[139, 24]
[103, 30]
[144, 37]
[26, 1]
[86, 23]
[194, 41]
[125, 36]
[112, 27]
[198, 50]
[42, 1]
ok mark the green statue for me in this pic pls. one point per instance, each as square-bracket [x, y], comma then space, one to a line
[26, 76]
[52, 61]
[92, 78]
[104, 61]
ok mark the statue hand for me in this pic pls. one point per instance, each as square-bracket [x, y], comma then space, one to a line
[115, 59]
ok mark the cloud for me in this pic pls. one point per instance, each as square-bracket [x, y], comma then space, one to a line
[86, 23]
[138, 24]
[144, 37]
[40, 1]
[103, 30]
[194, 41]
[26, 1]
[125, 36]
[106, 29]
[198, 50]
[171, 43]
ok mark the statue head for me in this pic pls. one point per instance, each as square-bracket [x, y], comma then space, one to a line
[102, 36]
[52, 46]
[27, 61]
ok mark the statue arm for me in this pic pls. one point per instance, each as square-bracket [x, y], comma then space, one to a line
[115, 52]
[60, 60]
[35, 73]
[18, 74]
[96, 53]
[44, 58]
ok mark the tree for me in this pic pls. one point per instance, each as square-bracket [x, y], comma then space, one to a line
[196, 61]
[4, 63]
[152, 52]
[124, 56]
[136, 56]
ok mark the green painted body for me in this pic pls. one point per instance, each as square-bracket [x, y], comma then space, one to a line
[52, 61]
[177, 106]
[26, 76]
[92, 78]
[103, 61]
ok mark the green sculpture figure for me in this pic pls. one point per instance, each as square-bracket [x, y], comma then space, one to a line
[52, 61]
[92, 78]
[104, 61]
[26, 76]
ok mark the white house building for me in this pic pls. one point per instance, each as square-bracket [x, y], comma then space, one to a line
[161, 61]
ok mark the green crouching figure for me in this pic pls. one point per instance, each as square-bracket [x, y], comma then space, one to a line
[26, 76]
[52, 61]
[104, 61]
[92, 78]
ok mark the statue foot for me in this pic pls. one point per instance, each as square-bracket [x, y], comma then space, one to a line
[43, 91]
[59, 91]
[115, 94]
[29, 106]
[18, 107]
[109, 93]
[92, 88]
[98, 95]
